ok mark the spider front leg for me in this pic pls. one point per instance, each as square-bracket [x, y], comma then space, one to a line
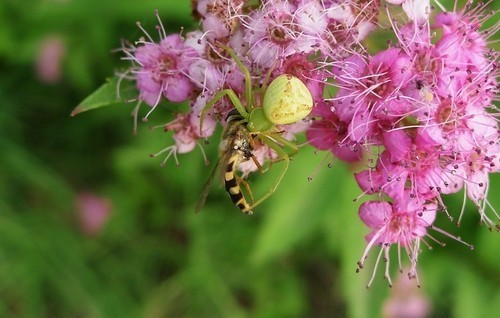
[246, 74]
[288, 147]
[278, 144]
[283, 143]
[218, 96]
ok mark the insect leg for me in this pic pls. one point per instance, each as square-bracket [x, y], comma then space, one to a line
[242, 181]
[258, 165]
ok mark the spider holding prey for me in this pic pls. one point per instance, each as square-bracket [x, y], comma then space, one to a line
[285, 101]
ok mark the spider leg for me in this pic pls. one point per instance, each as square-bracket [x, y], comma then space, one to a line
[278, 144]
[266, 80]
[285, 145]
[246, 74]
[290, 148]
[218, 96]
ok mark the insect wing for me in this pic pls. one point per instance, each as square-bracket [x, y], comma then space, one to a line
[207, 187]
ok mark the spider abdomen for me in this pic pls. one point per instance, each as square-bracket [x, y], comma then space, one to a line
[287, 100]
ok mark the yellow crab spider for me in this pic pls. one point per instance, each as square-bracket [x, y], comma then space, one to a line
[285, 101]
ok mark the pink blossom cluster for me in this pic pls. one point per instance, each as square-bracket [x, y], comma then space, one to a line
[419, 115]
[422, 111]
[278, 37]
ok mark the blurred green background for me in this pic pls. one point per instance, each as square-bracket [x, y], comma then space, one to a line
[90, 226]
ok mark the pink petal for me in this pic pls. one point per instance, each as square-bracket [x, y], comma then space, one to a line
[397, 143]
[387, 57]
[417, 10]
[375, 214]
[369, 181]
[347, 152]
[178, 89]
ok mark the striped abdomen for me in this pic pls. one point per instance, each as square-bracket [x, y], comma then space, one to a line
[232, 186]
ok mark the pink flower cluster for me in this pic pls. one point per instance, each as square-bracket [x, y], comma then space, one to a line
[419, 114]
[279, 37]
[422, 110]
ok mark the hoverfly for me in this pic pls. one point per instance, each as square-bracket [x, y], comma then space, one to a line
[235, 147]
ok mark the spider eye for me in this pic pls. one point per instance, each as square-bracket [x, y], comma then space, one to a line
[287, 100]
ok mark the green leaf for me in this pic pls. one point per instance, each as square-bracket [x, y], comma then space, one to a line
[114, 91]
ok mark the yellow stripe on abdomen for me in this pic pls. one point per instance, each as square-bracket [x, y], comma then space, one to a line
[232, 187]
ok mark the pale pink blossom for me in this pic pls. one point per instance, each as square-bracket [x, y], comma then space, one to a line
[403, 222]
[51, 53]
[93, 212]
